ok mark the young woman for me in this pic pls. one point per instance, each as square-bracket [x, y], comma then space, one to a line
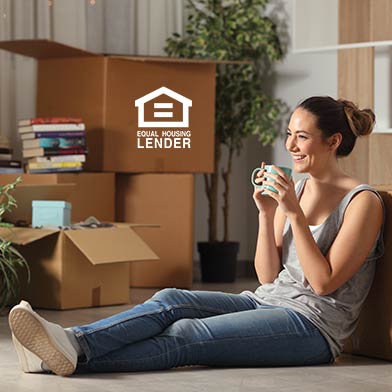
[314, 260]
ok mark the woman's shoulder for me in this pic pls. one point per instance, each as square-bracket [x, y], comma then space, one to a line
[364, 200]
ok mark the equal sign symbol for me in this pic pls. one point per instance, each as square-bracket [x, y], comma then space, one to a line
[161, 105]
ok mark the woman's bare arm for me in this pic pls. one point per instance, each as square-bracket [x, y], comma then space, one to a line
[269, 246]
[349, 249]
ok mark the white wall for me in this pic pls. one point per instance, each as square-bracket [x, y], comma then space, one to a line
[298, 76]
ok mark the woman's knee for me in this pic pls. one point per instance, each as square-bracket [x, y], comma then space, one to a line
[168, 295]
[187, 329]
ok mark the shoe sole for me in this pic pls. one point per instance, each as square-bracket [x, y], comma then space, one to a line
[32, 335]
[24, 360]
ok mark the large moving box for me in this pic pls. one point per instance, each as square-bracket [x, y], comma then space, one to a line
[167, 200]
[373, 335]
[78, 268]
[168, 101]
[91, 195]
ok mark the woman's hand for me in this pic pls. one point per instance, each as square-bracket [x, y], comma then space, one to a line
[266, 205]
[286, 198]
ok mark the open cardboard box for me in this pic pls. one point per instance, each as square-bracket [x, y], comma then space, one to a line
[103, 90]
[78, 268]
[74, 268]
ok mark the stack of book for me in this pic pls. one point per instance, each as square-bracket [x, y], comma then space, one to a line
[7, 164]
[55, 144]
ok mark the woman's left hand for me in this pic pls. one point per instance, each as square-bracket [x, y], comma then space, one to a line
[286, 197]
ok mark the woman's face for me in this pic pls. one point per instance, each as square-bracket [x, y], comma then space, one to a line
[305, 143]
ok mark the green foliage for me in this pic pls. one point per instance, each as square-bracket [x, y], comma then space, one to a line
[10, 259]
[235, 30]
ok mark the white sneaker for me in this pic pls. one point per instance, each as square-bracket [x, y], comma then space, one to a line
[28, 361]
[37, 340]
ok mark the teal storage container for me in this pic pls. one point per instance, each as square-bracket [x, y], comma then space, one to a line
[51, 213]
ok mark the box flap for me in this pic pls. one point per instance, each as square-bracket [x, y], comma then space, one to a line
[24, 236]
[165, 59]
[25, 194]
[43, 49]
[131, 225]
[110, 245]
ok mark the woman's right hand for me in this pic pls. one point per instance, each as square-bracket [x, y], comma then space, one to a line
[265, 204]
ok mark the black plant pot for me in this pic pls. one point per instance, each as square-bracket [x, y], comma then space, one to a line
[218, 260]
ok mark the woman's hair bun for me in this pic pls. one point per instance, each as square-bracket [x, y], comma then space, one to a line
[361, 122]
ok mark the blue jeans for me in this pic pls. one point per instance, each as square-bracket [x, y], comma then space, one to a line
[181, 327]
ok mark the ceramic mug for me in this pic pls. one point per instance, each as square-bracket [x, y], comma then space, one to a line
[268, 169]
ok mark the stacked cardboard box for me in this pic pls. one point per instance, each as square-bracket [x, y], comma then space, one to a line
[168, 200]
[142, 115]
[93, 194]
[117, 97]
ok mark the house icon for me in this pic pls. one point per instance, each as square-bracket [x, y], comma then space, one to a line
[181, 102]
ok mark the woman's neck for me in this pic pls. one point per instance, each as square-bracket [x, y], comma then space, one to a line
[319, 181]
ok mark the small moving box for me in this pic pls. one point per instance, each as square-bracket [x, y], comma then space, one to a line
[55, 213]
[143, 114]
[167, 200]
[78, 268]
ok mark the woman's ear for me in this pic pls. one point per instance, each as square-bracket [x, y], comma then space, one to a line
[334, 141]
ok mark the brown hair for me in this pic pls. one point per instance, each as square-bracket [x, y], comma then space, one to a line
[340, 116]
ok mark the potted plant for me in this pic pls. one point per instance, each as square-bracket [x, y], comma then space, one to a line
[10, 259]
[233, 30]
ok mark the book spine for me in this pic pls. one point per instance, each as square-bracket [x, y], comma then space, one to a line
[65, 151]
[52, 165]
[5, 170]
[50, 120]
[5, 163]
[62, 158]
[56, 170]
[52, 128]
[40, 152]
[39, 135]
[50, 142]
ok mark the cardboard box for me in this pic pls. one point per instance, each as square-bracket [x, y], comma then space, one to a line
[91, 194]
[373, 335]
[168, 200]
[365, 163]
[103, 90]
[78, 268]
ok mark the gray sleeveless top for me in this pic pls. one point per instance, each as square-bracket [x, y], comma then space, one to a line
[335, 314]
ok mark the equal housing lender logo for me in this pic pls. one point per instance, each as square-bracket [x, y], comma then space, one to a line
[160, 113]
